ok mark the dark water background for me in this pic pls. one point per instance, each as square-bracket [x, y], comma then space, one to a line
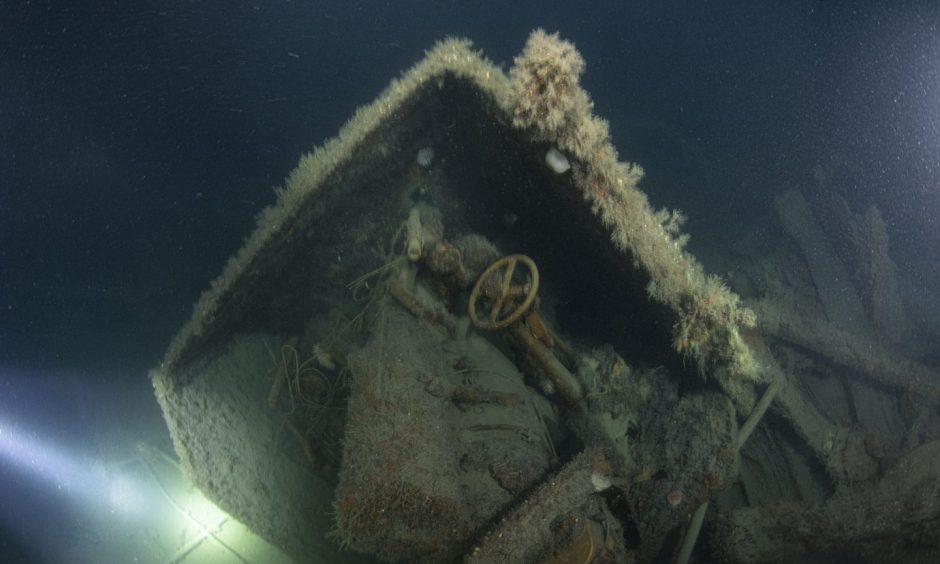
[138, 140]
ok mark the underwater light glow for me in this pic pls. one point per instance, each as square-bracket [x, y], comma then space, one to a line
[71, 474]
[115, 491]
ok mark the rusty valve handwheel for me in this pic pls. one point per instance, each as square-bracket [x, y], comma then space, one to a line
[501, 272]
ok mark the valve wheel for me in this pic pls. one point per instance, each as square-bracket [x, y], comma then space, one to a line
[496, 289]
